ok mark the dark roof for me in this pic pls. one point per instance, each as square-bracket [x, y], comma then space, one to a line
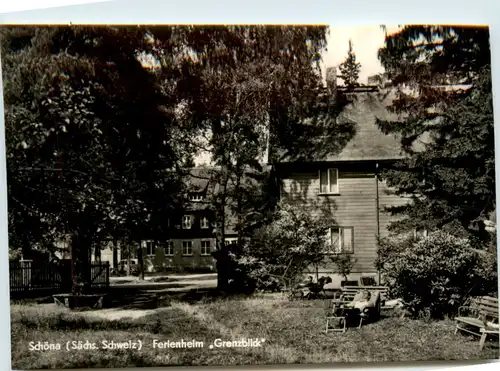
[368, 143]
[198, 178]
[203, 180]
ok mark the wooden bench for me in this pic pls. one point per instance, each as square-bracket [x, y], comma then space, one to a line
[479, 317]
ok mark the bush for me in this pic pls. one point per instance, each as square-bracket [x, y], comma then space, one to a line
[344, 264]
[434, 275]
[279, 252]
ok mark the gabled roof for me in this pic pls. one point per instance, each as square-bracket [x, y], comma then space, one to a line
[204, 180]
[368, 143]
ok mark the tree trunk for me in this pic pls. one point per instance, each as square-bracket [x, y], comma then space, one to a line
[141, 261]
[80, 262]
[220, 233]
[115, 253]
[128, 258]
[239, 210]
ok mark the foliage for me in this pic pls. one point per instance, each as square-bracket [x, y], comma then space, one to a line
[349, 69]
[245, 91]
[89, 148]
[279, 253]
[434, 275]
[441, 79]
[344, 263]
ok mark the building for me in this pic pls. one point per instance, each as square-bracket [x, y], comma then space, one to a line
[192, 233]
[345, 188]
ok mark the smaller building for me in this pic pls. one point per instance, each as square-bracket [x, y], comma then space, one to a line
[192, 233]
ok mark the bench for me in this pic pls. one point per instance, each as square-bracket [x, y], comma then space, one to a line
[479, 317]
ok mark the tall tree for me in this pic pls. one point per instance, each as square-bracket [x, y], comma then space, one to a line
[88, 142]
[243, 90]
[350, 68]
[441, 78]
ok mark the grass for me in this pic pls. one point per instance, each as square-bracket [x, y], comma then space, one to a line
[293, 332]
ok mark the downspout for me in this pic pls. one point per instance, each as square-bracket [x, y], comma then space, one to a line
[377, 209]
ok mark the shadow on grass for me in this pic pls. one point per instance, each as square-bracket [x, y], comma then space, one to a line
[131, 298]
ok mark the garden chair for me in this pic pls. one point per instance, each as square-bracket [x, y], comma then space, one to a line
[343, 311]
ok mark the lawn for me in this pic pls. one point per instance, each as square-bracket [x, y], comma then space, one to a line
[293, 333]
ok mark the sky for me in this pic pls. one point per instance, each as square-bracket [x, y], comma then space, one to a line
[366, 40]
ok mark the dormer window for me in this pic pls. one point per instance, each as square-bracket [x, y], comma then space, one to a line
[328, 181]
[196, 197]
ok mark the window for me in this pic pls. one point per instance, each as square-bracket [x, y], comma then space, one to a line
[187, 221]
[187, 248]
[340, 240]
[195, 197]
[230, 241]
[169, 248]
[149, 246]
[205, 247]
[204, 223]
[328, 181]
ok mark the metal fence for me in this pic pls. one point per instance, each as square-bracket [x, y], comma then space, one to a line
[28, 277]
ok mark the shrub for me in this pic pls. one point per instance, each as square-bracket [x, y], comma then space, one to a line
[435, 274]
[279, 252]
[344, 264]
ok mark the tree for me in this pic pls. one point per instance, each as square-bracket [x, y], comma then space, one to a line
[344, 264]
[349, 69]
[88, 142]
[244, 90]
[441, 78]
[281, 251]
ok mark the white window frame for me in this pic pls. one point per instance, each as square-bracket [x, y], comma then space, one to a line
[204, 223]
[195, 197]
[203, 249]
[230, 240]
[146, 245]
[185, 248]
[185, 224]
[169, 248]
[329, 185]
[341, 234]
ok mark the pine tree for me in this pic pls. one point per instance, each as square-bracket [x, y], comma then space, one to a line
[442, 80]
[349, 69]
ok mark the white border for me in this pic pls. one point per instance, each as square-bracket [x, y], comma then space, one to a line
[333, 12]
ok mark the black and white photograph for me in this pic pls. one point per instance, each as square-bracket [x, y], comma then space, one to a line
[244, 194]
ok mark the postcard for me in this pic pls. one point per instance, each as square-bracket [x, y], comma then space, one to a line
[249, 194]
